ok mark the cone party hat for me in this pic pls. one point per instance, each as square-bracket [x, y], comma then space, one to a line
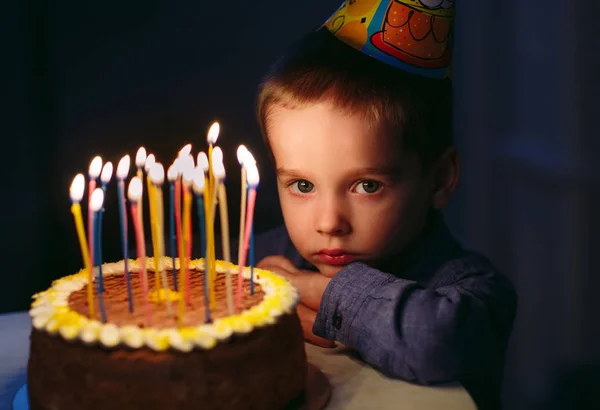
[413, 35]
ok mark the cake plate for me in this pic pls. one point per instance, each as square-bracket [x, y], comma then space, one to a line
[318, 392]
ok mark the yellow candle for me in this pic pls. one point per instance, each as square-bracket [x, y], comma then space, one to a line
[153, 227]
[213, 135]
[180, 251]
[157, 176]
[209, 250]
[226, 251]
[77, 188]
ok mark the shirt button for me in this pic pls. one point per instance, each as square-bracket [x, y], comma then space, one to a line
[337, 322]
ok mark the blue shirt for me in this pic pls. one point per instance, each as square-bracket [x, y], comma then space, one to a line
[434, 313]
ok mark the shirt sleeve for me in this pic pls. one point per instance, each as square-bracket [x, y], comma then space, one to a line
[426, 335]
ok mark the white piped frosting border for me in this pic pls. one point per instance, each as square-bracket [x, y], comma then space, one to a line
[50, 312]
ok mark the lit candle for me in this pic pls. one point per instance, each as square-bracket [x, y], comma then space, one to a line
[213, 135]
[76, 193]
[246, 159]
[253, 180]
[251, 260]
[93, 173]
[157, 176]
[96, 203]
[241, 155]
[135, 195]
[187, 179]
[219, 172]
[179, 233]
[105, 177]
[122, 172]
[188, 161]
[150, 161]
[172, 176]
[199, 182]
[140, 162]
[217, 157]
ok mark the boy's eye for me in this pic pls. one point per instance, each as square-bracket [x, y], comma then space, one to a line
[368, 187]
[302, 186]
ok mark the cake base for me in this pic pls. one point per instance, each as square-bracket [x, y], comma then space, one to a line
[316, 395]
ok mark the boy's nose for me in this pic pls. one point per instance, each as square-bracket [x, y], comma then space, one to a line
[331, 218]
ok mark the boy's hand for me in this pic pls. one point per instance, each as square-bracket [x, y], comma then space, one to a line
[310, 285]
[307, 320]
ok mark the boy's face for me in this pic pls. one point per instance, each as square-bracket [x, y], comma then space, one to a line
[347, 191]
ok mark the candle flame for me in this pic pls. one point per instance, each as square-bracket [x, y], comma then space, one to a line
[157, 173]
[107, 172]
[252, 175]
[185, 163]
[241, 154]
[134, 192]
[123, 167]
[218, 169]
[217, 155]
[150, 161]
[249, 159]
[97, 200]
[95, 167]
[203, 161]
[140, 157]
[188, 175]
[186, 150]
[213, 133]
[172, 172]
[199, 181]
[77, 188]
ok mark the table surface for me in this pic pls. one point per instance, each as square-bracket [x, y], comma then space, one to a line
[355, 384]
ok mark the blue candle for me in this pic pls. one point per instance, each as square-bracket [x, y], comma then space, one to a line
[200, 203]
[123, 221]
[98, 262]
[172, 229]
[122, 171]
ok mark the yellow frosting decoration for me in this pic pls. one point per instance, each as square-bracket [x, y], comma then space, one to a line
[50, 312]
[160, 296]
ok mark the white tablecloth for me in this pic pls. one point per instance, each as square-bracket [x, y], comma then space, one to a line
[355, 385]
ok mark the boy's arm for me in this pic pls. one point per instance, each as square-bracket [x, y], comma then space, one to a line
[427, 335]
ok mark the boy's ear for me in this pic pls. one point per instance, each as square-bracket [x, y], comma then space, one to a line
[447, 175]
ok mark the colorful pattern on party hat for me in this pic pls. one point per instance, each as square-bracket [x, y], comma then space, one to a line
[414, 35]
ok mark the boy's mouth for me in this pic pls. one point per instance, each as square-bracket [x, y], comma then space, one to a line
[335, 257]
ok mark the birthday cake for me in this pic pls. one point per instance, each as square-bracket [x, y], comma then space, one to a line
[167, 332]
[254, 359]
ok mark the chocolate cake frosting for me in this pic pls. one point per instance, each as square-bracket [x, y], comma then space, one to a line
[262, 366]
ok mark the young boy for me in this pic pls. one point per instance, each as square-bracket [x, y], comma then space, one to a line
[362, 145]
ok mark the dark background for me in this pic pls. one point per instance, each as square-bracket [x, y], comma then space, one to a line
[87, 78]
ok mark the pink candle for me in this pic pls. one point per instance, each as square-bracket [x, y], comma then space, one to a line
[135, 195]
[253, 179]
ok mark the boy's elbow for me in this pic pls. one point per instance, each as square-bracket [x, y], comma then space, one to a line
[433, 363]
[423, 363]
[449, 359]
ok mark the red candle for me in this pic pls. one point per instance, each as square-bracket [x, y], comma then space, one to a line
[135, 195]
